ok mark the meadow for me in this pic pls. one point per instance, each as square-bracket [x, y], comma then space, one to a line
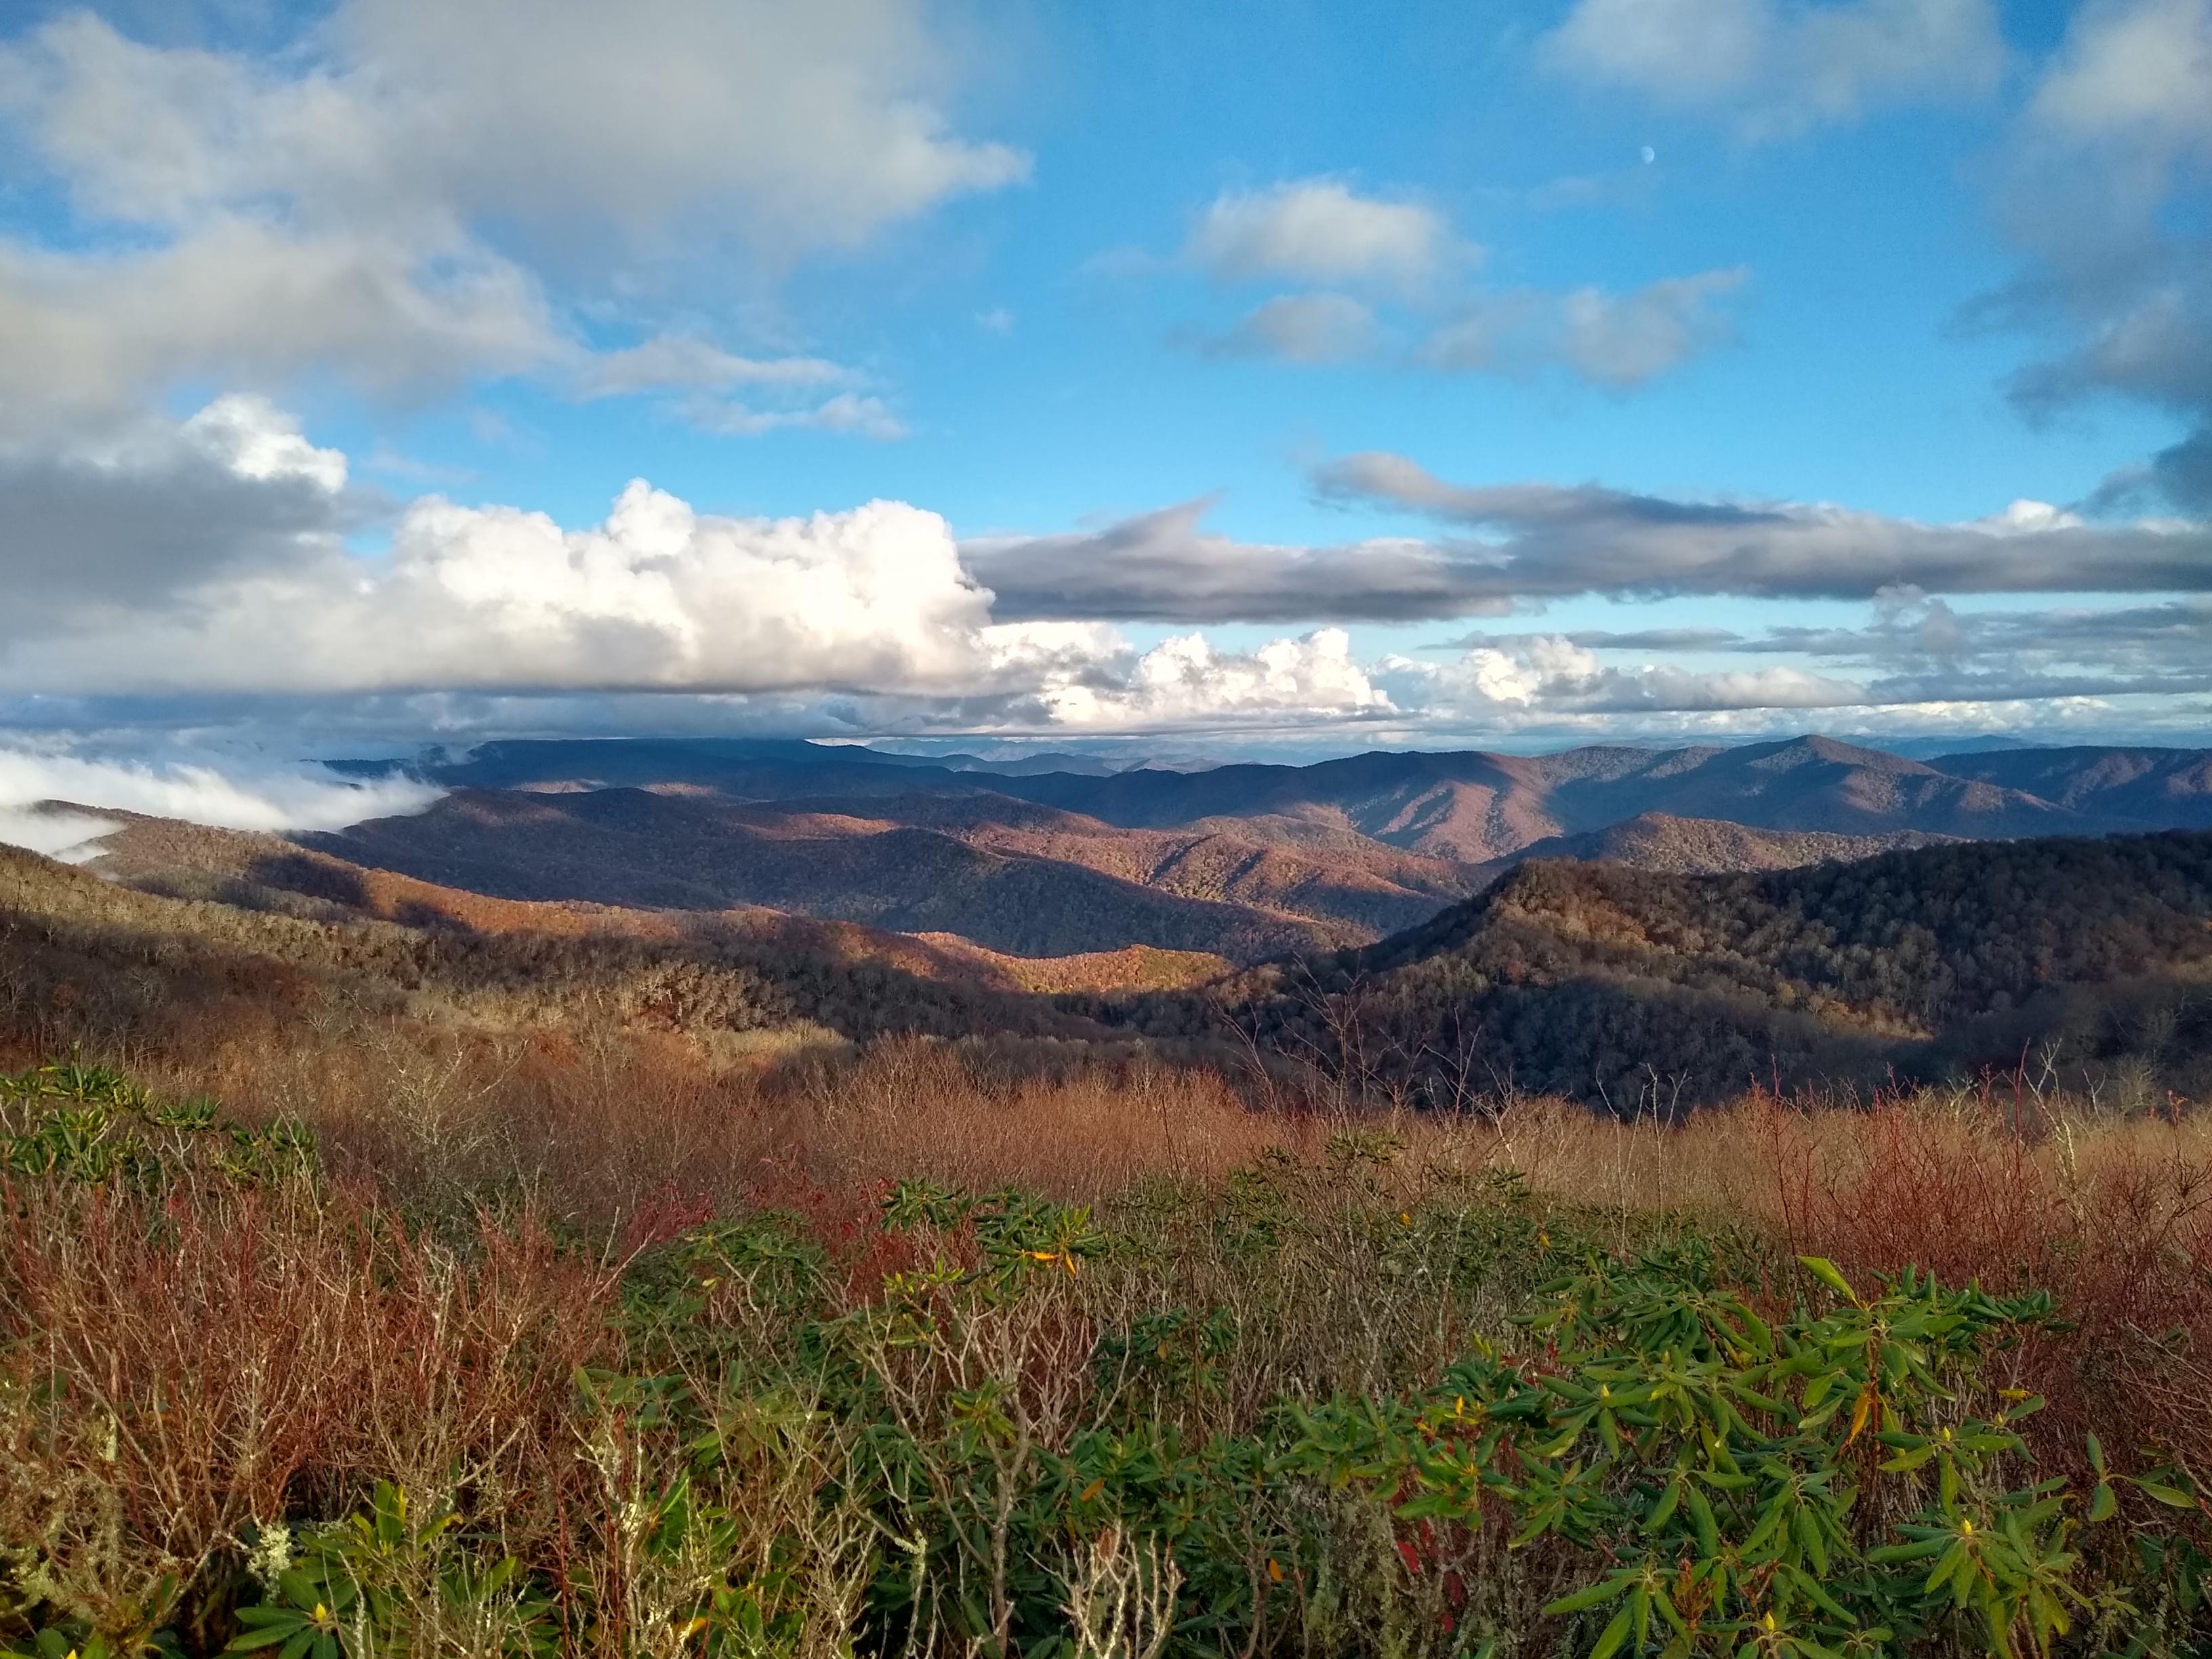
[329, 1341]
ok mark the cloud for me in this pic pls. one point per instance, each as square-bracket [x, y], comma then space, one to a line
[91, 335]
[1915, 660]
[1618, 341]
[1548, 672]
[235, 795]
[1916, 648]
[1605, 638]
[72, 837]
[1781, 67]
[2169, 643]
[658, 595]
[1409, 270]
[848, 411]
[874, 606]
[1188, 681]
[2105, 192]
[159, 510]
[378, 201]
[686, 362]
[2182, 473]
[1302, 328]
[1165, 567]
[1517, 544]
[1523, 542]
[700, 376]
[1320, 230]
[2139, 71]
[1547, 541]
[1654, 639]
[231, 592]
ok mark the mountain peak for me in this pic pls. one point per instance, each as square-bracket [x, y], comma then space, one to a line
[1833, 751]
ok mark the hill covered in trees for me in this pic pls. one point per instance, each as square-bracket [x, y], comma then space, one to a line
[92, 962]
[1008, 874]
[1629, 988]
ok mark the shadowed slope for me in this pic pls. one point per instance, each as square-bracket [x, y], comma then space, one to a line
[268, 872]
[2160, 787]
[1619, 985]
[632, 847]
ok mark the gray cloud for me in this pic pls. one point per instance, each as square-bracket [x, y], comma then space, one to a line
[1603, 639]
[1551, 541]
[1535, 541]
[1302, 328]
[2166, 646]
[2104, 192]
[1917, 649]
[162, 510]
[1654, 639]
[2180, 474]
[1166, 567]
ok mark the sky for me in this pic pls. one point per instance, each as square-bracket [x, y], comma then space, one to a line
[1172, 377]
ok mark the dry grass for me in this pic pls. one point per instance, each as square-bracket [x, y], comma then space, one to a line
[176, 1370]
[628, 1135]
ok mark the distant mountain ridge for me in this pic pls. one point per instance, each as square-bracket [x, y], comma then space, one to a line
[2171, 788]
[1245, 860]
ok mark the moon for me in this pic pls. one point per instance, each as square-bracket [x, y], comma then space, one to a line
[1649, 156]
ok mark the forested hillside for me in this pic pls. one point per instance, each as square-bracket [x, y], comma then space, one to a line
[639, 849]
[1621, 985]
[87, 961]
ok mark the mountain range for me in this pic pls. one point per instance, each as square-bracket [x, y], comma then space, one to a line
[1637, 928]
[1239, 861]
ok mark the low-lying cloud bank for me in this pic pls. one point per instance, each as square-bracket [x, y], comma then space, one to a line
[230, 794]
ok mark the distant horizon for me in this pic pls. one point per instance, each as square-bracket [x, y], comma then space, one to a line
[1001, 748]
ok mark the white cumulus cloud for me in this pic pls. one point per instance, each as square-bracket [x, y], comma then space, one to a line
[1187, 681]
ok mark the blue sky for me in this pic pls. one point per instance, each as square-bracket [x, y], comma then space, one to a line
[1302, 377]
